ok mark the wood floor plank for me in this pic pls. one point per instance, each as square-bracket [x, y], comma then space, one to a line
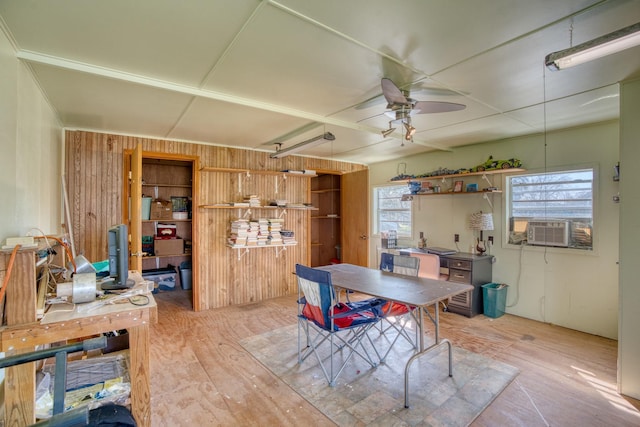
[200, 375]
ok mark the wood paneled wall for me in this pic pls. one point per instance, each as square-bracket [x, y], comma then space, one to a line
[94, 176]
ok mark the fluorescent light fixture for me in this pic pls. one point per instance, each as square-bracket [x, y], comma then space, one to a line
[597, 48]
[320, 139]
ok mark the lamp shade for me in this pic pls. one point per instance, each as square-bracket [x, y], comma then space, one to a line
[481, 221]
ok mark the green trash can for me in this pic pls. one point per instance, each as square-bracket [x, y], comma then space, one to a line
[494, 297]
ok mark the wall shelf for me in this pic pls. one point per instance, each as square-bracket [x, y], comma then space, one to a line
[165, 220]
[243, 250]
[221, 206]
[451, 193]
[461, 175]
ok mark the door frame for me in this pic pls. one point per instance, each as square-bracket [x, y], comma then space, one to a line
[195, 191]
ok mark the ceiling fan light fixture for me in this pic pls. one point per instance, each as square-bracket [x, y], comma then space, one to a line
[387, 132]
[410, 131]
[608, 44]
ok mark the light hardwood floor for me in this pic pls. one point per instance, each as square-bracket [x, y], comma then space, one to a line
[200, 375]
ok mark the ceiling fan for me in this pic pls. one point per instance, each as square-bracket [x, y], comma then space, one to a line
[400, 107]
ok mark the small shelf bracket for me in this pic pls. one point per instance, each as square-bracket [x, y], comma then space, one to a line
[246, 214]
[486, 197]
[279, 250]
[242, 252]
[484, 176]
[282, 213]
[284, 178]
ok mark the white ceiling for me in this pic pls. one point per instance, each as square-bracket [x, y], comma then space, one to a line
[246, 73]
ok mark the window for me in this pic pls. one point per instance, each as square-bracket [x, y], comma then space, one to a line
[552, 209]
[391, 213]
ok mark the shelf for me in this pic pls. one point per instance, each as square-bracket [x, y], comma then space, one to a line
[165, 220]
[255, 172]
[242, 250]
[325, 217]
[328, 190]
[164, 256]
[167, 185]
[451, 193]
[461, 175]
[306, 208]
[260, 246]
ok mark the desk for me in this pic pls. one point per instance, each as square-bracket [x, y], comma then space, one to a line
[414, 291]
[19, 385]
[472, 269]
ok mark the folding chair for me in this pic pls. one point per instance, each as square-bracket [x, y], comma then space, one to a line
[325, 320]
[430, 268]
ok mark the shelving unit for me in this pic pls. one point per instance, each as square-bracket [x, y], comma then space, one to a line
[162, 179]
[326, 221]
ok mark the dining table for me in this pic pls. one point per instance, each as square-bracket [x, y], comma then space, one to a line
[415, 292]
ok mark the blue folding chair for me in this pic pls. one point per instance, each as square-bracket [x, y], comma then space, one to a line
[323, 319]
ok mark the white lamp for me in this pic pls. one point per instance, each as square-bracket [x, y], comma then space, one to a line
[597, 48]
[482, 222]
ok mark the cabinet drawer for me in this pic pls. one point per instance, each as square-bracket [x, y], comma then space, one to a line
[460, 276]
[460, 264]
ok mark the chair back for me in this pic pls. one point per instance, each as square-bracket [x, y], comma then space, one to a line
[429, 265]
[399, 264]
[318, 293]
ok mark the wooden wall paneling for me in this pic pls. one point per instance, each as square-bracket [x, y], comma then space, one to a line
[94, 165]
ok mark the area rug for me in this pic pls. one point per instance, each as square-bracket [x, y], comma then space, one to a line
[375, 396]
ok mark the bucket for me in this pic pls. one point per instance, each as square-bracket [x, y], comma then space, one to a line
[146, 208]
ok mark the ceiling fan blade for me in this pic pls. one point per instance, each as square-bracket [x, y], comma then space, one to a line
[428, 107]
[392, 94]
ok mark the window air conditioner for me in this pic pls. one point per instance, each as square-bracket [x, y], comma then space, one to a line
[552, 232]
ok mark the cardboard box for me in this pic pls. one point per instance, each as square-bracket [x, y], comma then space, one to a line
[163, 247]
[161, 209]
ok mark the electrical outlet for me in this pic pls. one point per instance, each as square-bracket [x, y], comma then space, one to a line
[490, 239]
[456, 238]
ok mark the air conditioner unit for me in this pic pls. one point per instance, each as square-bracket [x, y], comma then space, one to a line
[551, 232]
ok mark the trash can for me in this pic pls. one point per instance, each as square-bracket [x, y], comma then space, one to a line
[185, 274]
[494, 297]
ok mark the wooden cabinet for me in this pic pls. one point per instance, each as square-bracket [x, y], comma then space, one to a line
[164, 179]
[470, 269]
[326, 221]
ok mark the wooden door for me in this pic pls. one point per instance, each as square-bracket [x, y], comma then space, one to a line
[135, 219]
[355, 217]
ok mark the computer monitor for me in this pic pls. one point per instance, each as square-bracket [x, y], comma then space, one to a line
[118, 259]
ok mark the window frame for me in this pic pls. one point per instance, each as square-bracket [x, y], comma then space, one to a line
[376, 210]
[507, 207]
